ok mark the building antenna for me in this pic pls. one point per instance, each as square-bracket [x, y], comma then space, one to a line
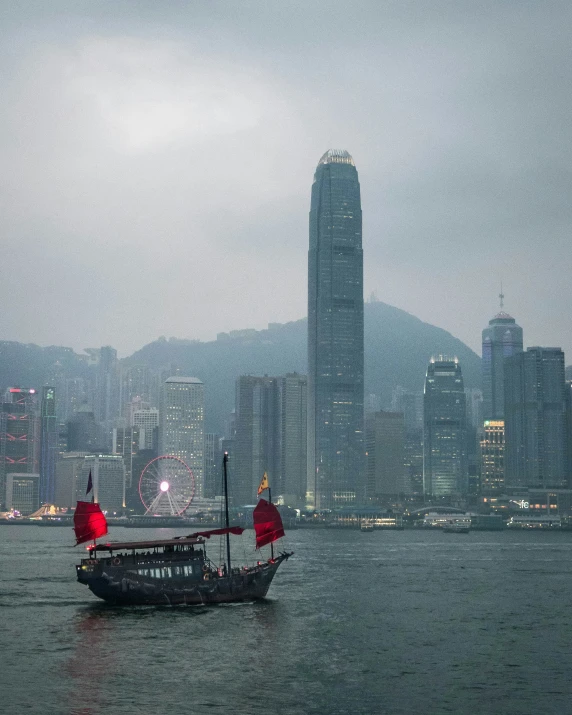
[501, 296]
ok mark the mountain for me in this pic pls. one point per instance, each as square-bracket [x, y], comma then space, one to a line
[398, 347]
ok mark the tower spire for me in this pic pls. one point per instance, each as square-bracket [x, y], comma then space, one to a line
[501, 296]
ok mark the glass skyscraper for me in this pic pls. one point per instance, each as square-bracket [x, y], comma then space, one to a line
[536, 426]
[444, 430]
[336, 461]
[501, 339]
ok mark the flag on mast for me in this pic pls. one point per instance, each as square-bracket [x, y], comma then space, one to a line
[263, 484]
[89, 484]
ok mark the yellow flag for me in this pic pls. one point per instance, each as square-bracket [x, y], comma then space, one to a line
[263, 484]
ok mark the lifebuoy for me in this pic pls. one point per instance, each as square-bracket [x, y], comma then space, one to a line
[205, 567]
[207, 576]
[116, 561]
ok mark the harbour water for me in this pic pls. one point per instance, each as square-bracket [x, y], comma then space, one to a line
[382, 622]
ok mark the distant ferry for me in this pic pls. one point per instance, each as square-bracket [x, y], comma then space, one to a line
[459, 526]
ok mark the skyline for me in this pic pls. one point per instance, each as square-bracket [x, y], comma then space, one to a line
[156, 164]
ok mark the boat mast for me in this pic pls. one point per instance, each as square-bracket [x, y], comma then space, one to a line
[226, 518]
[271, 543]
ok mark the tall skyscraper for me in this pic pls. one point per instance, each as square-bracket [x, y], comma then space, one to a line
[293, 401]
[444, 430]
[336, 454]
[385, 443]
[19, 435]
[492, 457]
[181, 431]
[536, 448]
[256, 448]
[501, 339]
[48, 445]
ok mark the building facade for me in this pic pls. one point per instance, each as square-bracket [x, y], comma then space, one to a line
[536, 420]
[385, 455]
[492, 457]
[181, 431]
[48, 445]
[23, 492]
[501, 339]
[108, 478]
[335, 433]
[444, 430]
[19, 434]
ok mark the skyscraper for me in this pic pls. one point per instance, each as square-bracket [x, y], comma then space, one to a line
[19, 435]
[257, 436]
[501, 339]
[536, 441]
[181, 431]
[444, 430]
[385, 462]
[336, 458]
[48, 445]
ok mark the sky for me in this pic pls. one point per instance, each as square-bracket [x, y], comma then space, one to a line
[156, 160]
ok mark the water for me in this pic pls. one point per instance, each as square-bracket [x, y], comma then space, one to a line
[381, 622]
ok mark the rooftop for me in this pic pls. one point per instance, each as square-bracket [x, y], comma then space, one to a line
[185, 380]
[336, 156]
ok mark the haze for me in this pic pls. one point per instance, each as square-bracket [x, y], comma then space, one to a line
[157, 157]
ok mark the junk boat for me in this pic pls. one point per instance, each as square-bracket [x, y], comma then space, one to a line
[177, 570]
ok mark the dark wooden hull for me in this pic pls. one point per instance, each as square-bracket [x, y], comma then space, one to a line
[119, 587]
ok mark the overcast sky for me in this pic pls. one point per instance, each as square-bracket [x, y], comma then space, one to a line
[156, 160]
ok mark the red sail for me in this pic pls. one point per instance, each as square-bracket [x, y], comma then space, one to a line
[88, 522]
[267, 523]
[236, 530]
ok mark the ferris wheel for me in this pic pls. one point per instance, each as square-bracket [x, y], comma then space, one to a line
[166, 486]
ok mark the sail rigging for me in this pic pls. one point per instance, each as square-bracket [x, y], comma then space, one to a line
[267, 523]
[236, 530]
[89, 522]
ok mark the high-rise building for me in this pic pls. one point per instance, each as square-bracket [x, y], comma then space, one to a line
[536, 419]
[23, 492]
[492, 457]
[336, 455]
[213, 465]
[108, 478]
[68, 475]
[385, 455]
[257, 438]
[501, 339]
[48, 445]
[126, 443]
[83, 431]
[292, 479]
[147, 420]
[19, 435]
[444, 430]
[181, 430]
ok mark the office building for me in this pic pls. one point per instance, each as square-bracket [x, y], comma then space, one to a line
[23, 492]
[19, 435]
[68, 476]
[444, 430]
[257, 438]
[492, 457]
[385, 455]
[108, 477]
[147, 420]
[290, 488]
[336, 455]
[48, 445]
[536, 423]
[501, 339]
[213, 465]
[181, 430]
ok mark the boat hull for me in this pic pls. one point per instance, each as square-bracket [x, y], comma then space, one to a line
[117, 587]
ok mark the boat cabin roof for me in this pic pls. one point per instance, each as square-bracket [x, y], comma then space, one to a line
[131, 545]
